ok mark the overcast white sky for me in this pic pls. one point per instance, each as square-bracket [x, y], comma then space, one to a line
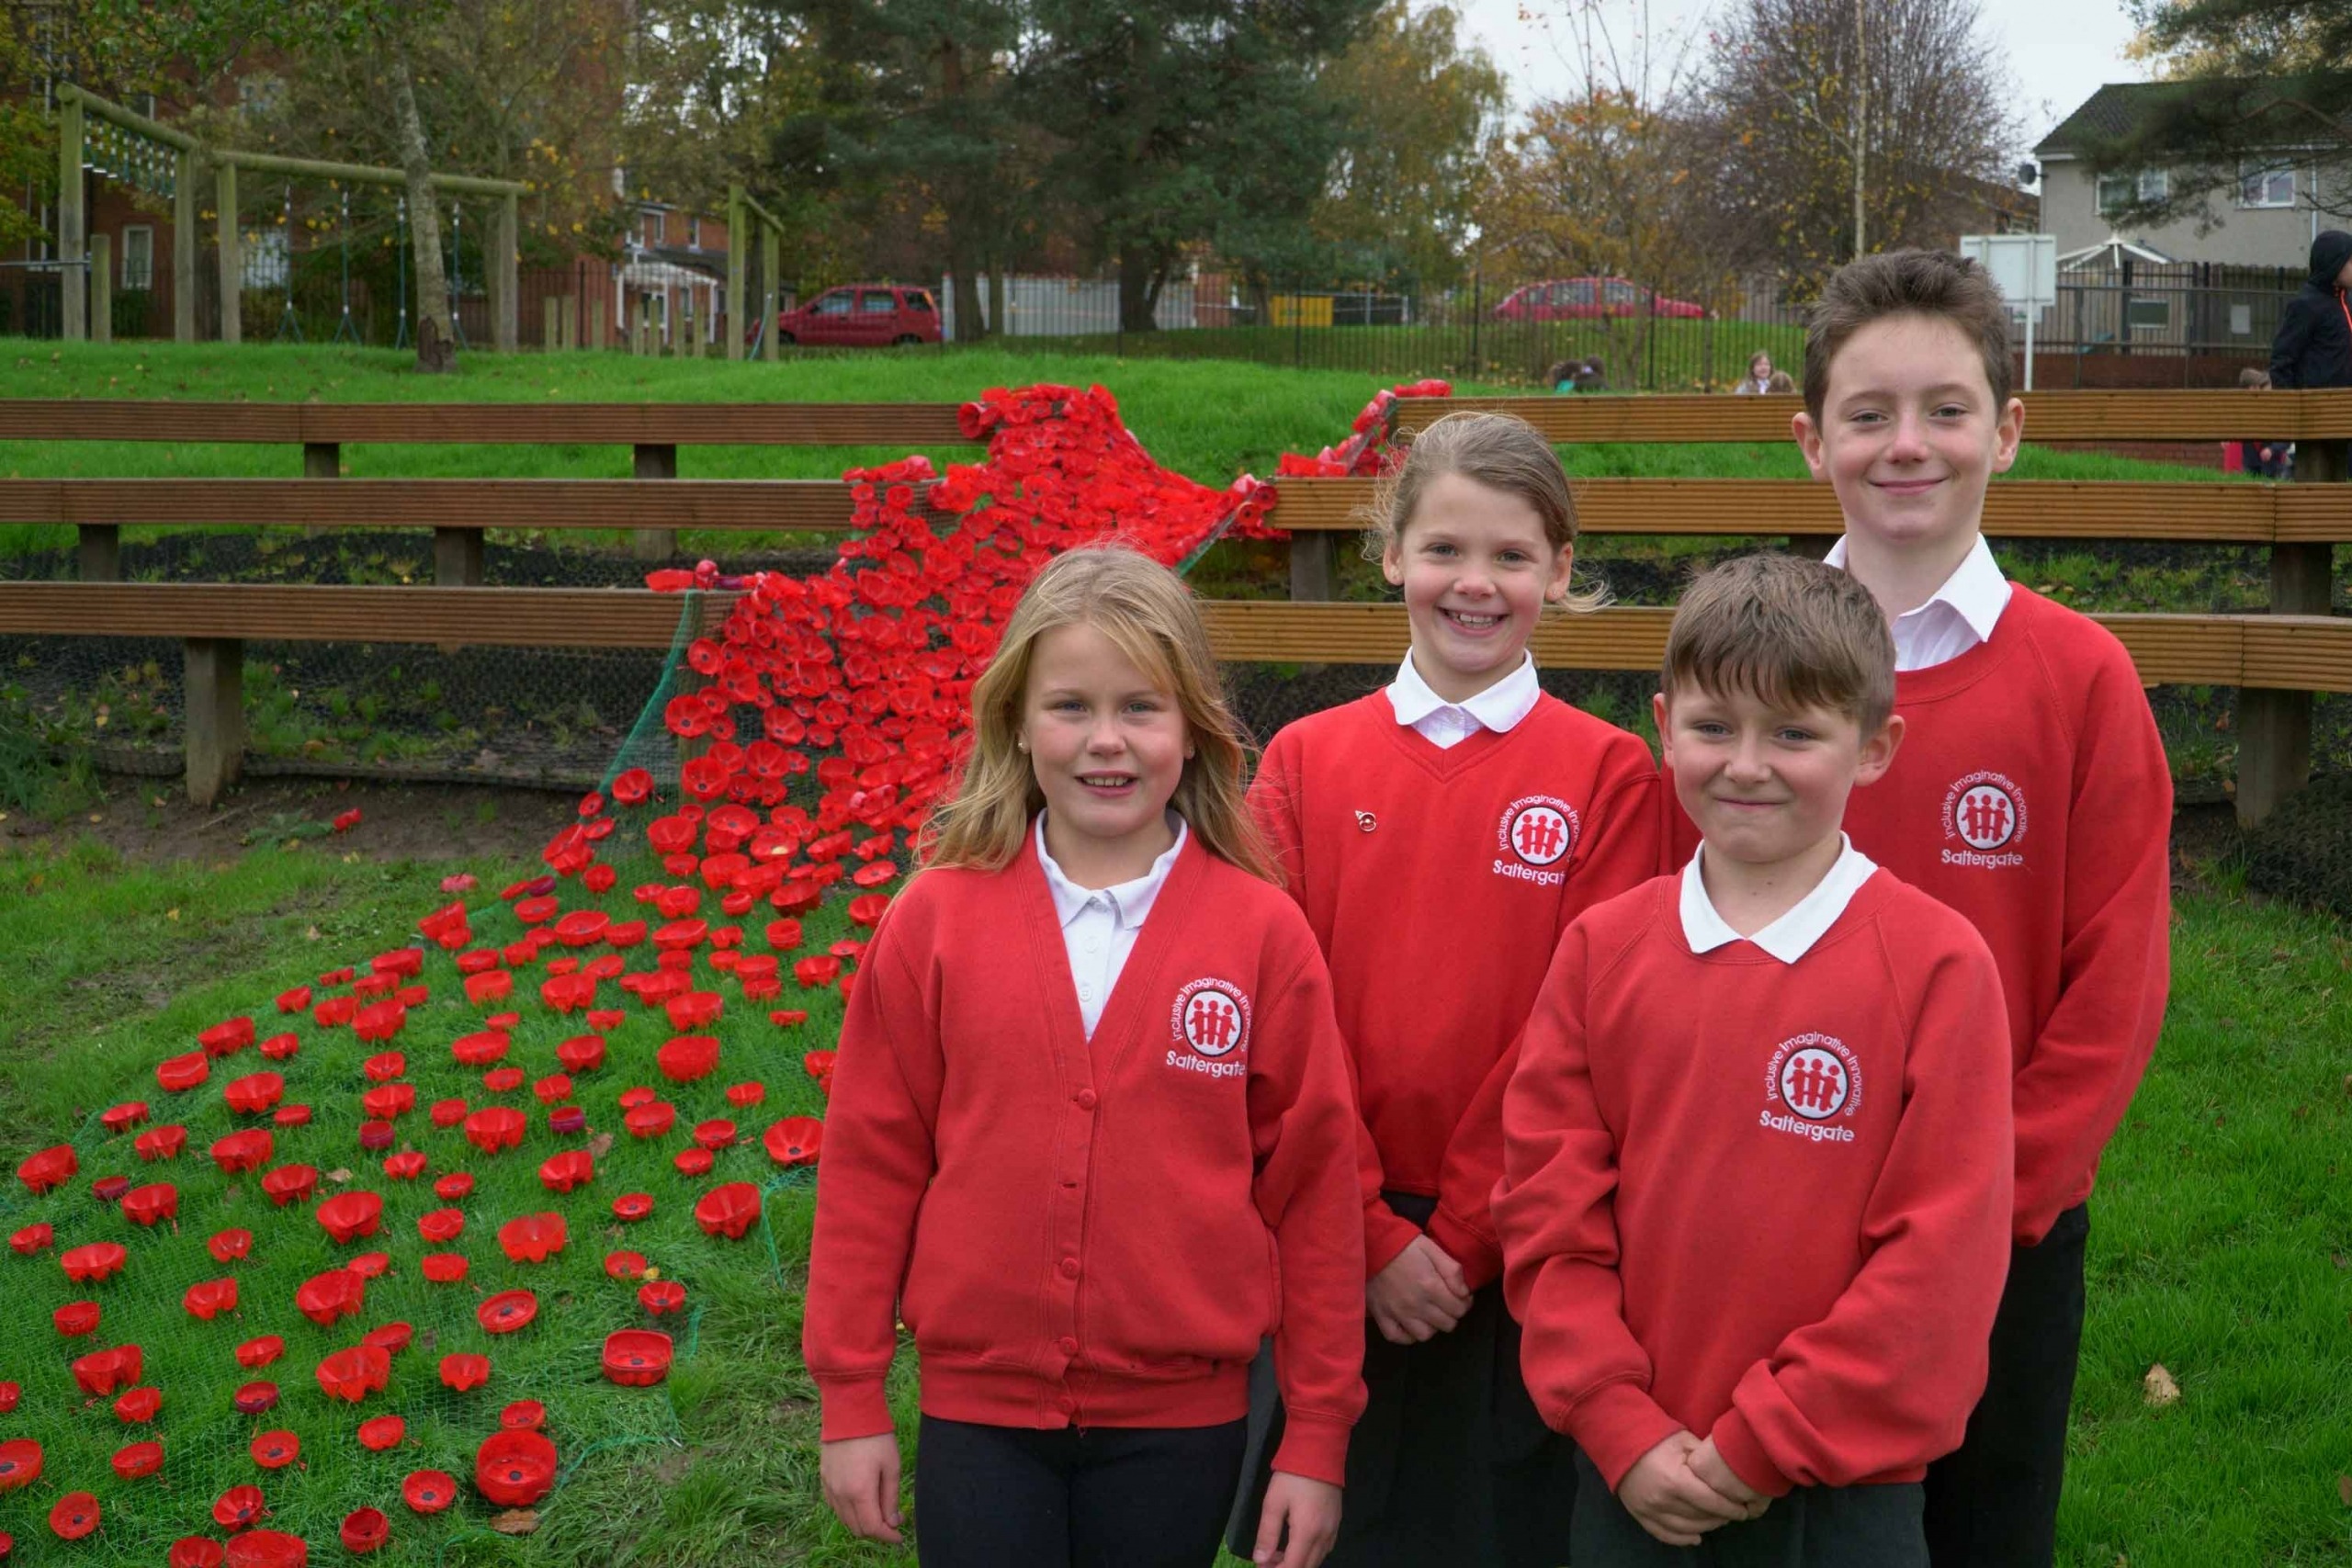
[2059, 51]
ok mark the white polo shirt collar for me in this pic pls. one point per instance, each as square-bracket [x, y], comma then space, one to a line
[1956, 616]
[1129, 902]
[1500, 707]
[1792, 936]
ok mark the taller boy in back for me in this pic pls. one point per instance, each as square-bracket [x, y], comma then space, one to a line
[2031, 795]
[1756, 1158]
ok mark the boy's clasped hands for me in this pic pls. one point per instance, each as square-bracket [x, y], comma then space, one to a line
[1682, 1489]
[1420, 1294]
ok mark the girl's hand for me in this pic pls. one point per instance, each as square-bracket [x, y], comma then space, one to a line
[1311, 1510]
[1707, 1464]
[861, 1477]
[1421, 1293]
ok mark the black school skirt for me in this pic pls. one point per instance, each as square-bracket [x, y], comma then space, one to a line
[1450, 1463]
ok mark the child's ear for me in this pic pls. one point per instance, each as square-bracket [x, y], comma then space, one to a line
[1392, 560]
[1808, 434]
[1564, 566]
[1878, 752]
[2006, 434]
[1665, 734]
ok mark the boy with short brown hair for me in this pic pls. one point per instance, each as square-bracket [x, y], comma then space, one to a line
[2033, 796]
[1758, 1161]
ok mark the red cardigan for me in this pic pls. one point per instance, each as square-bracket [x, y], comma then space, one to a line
[1438, 881]
[1091, 1234]
[2031, 795]
[1766, 1203]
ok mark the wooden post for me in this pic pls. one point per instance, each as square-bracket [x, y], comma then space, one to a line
[233, 261]
[1313, 566]
[735, 240]
[600, 324]
[457, 557]
[98, 550]
[655, 461]
[322, 460]
[2275, 726]
[770, 296]
[73, 221]
[184, 247]
[214, 726]
[551, 330]
[505, 292]
[101, 288]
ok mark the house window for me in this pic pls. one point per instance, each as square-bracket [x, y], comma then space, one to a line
[2265, 187]
[652, 228]
[138, 256]
[2119, 190]
[2148, 315]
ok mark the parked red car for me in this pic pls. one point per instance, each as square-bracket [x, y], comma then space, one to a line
[861, 315]
[1585, 298]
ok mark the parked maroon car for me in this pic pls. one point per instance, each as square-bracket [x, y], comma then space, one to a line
[861, 315]
[1585, 298]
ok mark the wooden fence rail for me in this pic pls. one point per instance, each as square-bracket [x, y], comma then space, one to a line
[2276, 661]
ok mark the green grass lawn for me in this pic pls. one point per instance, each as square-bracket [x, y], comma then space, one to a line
[2221, 1234]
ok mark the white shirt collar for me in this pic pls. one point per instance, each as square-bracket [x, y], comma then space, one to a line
[1130, 901]
[1792, 936]
[1976, 592]
[1500, 707]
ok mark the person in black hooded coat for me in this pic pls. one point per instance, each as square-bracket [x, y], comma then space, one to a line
[2313, 347]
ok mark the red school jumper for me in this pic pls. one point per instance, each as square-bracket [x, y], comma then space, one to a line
[1763, 1202]
[1091, 1234]
[2031, 795]
[1437, 883]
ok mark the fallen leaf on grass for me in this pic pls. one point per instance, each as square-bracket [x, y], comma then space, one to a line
[515, 1521]
[2344, 1489]
[2159, 1388]
[600, 1145]
[338, 1177]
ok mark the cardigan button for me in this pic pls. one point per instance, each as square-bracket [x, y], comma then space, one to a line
[1087, 1099]
[1069, 1267]
[1066, 1345]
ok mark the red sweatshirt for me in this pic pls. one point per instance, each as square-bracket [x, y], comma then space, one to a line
[2031, 795]
[1091, 1234]
[1764, 1202]
[1438, 881]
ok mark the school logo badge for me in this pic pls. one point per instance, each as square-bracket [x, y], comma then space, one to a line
[1986, 812]
[1815, 1083]
[1536, 833]
[1212, 1017]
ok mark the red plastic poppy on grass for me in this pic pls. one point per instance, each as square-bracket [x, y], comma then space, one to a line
[695, 1010]
[228, 1246]
[100, 1372]
[817, 971]
[685, 1058]
[355, 1374]
[257, 1398]
[135, 1461]
[20, 1461]
[345, 821]
[795, 1140]
[290, 1183]
[532, 1238]
[161, 1143]
[391, 1337]
[503, 1080]
[281, 1047]
[429, 1491]
[715, 1134]
[253, 1093]
[369, 1265]
[523, 1416]
[660, 1296]
[292, 1116]
[227, 1037]
[97, 1260]
[514, 1467]
[73, 1515]
[197, 1551]
[553, 1090]
[789, 1017]
[495, 1127]
[337, 1294]
[406, 1166]
[454, 1186]
[240, 1507]
[381, 1432]
[581, 1052]
[406, 963]
[335, 1012]
[348, 1216]
[294, 1000]
[727, 1211]
[32, 1239]
[465, 1371]
[208, 1299]
[249, 1150]
[256, 1353]
[75, 1318]
[138, 1404]
[110, 1189]
[378, 1022]
[364, 1530]
[571, 1169]
[275, 1450]
[650, 1120]
[266, 1549]
[489, 986]
[625, 1265]
[49, 1168]
[637, 1358]
[176, 1075]
[694, 1161]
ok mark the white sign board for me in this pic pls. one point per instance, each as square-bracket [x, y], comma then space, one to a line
[2025, 269]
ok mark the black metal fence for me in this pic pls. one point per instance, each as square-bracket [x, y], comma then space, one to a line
[2131, 325]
